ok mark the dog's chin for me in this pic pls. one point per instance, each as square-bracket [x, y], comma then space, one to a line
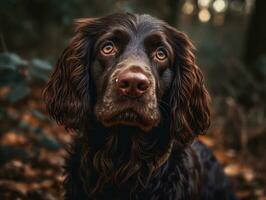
[130, 118]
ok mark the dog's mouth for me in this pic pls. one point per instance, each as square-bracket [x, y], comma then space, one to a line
[130, 118]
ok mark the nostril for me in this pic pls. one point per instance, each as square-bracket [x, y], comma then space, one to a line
[143, 86]
[123, 84]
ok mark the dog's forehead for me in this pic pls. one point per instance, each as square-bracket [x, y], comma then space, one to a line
[147, 23]
[137, 25]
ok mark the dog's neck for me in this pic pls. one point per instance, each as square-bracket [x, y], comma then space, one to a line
[123, 140]
[121, 153]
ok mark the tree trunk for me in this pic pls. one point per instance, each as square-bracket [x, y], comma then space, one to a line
[256, 38]
[173, 12]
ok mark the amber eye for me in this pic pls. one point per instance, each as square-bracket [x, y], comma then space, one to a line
[108, 48]
[161, 54]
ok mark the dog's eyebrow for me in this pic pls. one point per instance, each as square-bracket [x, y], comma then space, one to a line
[117, 34]
[155, 39]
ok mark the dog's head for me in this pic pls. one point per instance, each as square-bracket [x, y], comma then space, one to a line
[132, 70]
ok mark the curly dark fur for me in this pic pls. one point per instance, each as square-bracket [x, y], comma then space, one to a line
[155, 158]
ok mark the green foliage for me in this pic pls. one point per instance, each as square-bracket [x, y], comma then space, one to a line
[39, 69]
[17, 74]
[261, 66]
[7, 152]
[48, 142]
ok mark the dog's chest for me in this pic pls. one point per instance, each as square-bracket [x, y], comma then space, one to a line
[175, 180]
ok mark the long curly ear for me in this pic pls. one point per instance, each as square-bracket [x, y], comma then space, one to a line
[189, 101]
[67, 94]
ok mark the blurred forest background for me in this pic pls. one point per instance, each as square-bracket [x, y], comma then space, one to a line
[230, 36]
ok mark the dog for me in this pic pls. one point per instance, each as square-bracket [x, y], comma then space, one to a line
[130, 88]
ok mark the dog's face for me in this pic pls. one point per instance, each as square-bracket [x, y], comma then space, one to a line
[131, 72]
[126, 69]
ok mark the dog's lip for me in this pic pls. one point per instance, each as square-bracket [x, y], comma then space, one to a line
[132, 118]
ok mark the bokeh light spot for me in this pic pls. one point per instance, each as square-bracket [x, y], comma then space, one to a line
[188, 8]
[204, 15]
[219, 6]
[204, 3]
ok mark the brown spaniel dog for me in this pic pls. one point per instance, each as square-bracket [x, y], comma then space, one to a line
[129, 86]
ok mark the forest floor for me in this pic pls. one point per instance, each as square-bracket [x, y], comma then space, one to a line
[32, 151]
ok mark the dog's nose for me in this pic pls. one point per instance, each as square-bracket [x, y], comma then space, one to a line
[132, 83]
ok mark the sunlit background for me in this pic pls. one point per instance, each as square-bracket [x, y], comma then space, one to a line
[230, 38]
